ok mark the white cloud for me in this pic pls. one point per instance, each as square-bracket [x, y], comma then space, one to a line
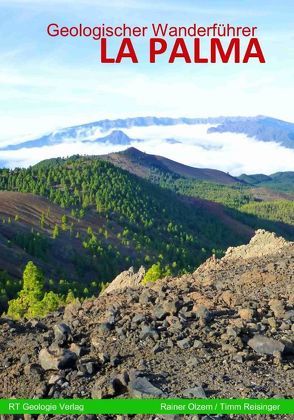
[46, 99]
[234, 153]
[229, 152]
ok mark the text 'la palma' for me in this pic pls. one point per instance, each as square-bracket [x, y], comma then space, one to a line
[235, 51]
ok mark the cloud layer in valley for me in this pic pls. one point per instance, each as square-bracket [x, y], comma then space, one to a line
[191, 145]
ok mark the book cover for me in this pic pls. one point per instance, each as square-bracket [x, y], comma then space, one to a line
[146, 208]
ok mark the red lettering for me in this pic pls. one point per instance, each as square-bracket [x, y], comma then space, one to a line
[216, 46]
[160, 29]
[104, 58]
[180, 51]
[257, 53]
[197, 52]
[52, 29]
[126, 51]
[154, 51]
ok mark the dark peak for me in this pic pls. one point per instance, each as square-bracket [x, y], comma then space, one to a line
[115, 137]
[118, 134]
[133, 153]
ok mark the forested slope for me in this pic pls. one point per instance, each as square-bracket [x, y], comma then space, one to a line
[84, 220]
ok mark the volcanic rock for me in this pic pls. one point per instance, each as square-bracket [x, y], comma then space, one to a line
[265, 345]
[58, 359]
[228, 327]
[141, 387]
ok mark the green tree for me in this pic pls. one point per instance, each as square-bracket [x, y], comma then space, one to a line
[31, 293]
[42, 220]
[64, 222]
[33, 280]
[153, 274]
[32, 301]
[55, 232]
[50, 302]
[70, 297]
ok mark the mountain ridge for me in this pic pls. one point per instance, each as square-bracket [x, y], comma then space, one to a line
[136, 161]
[282, 181]
[201, 183]
[260, 127]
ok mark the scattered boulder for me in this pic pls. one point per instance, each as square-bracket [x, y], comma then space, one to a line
[125, 279]
[24, 359]
[138, 319]
[185, 344]
[289, 315]
[102, 389]
[62, 333]
[277, 307]
[141, 387]
[229, 298]
[174, 324]
[246, 314]
[171, 307]
[87, 366]
[75, 348]
[33, 369]
[54, 379]
[57, 359]
[71, 311]
[272, 322]
[233, 331]
[203, 314]
[264, 345]
[145, 297]
[109, 388]
[196, 392]
[160, 313]
[197, 344]
[148, 331]
[105, 328]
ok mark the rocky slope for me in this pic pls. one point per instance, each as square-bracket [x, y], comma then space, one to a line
[224, 331]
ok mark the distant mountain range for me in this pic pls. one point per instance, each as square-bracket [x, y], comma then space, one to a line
[116, 137]
[281, 181]
[261, 127]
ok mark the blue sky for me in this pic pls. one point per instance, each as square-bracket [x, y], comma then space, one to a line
[49, 83]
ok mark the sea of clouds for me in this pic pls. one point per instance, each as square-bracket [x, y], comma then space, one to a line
[188, 144]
